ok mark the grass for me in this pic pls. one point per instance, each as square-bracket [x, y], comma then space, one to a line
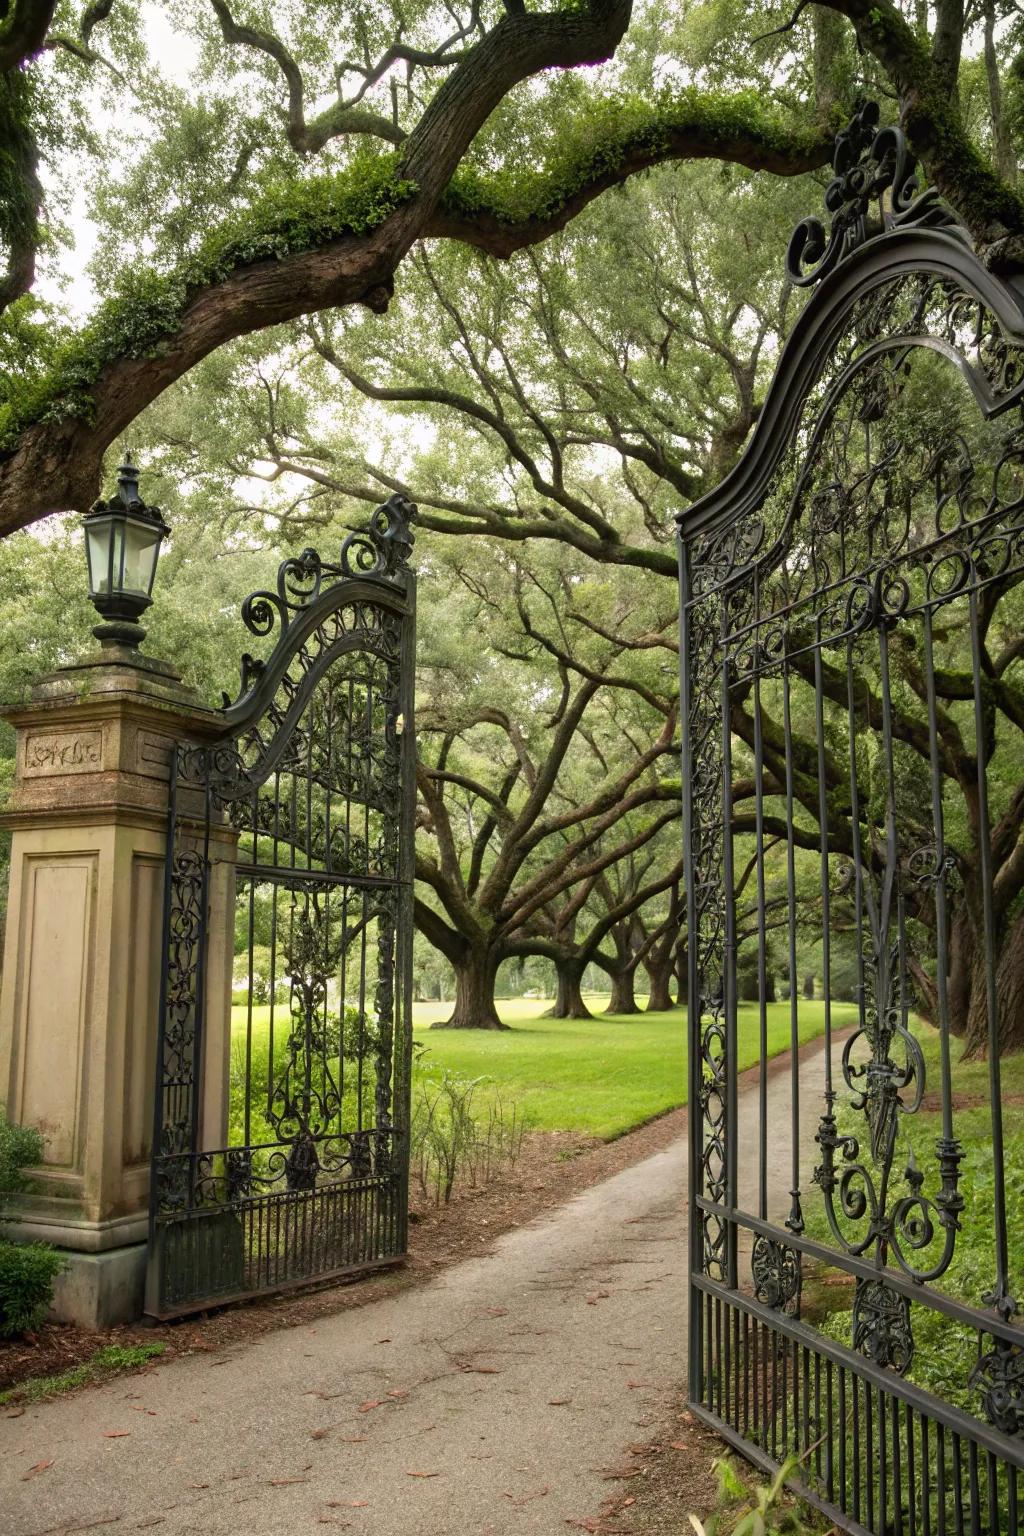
[115, 1357]
[600, 1076]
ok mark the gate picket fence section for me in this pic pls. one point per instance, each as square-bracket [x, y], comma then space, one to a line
[280, 1148]
[852, 604]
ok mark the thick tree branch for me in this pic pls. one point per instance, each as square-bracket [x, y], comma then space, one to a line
[23, 30]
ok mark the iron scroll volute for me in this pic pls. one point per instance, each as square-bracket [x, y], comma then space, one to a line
[870, 165]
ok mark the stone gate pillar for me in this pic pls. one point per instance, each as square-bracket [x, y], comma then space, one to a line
[81, 964]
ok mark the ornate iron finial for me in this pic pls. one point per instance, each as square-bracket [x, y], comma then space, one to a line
[384, 546]
[128, 481]
[868, 162]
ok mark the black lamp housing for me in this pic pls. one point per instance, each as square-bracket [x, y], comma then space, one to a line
[122, 545]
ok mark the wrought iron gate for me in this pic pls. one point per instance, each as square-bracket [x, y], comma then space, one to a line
[280, 1145]
[853, 705]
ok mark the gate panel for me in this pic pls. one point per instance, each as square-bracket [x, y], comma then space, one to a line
[853, 814]
[280, 1152]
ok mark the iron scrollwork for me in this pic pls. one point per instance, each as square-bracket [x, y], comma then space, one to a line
[382, 549]
[998, 1376]
[868, 162]
[777, 1275]
[881, 1325]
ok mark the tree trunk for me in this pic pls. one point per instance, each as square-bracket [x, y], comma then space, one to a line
[474, 994]
[967, 989]
[1009, 998]
[623, 999]
[569, 1002]
[660, 974]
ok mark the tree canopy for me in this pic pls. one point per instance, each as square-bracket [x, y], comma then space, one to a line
[248, 164]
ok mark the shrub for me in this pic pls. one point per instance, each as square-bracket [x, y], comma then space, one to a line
[27, 1273]
[21, 1147]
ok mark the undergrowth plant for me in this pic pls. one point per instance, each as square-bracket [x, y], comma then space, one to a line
[740, 1510]
[451, 1141]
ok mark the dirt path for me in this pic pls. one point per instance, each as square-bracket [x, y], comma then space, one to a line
[498, 1397]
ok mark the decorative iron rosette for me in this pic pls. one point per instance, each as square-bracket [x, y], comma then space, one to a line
[998, 1376]
[881, 1325]
[776, 1272]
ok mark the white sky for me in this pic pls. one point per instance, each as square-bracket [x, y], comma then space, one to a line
[68, 284]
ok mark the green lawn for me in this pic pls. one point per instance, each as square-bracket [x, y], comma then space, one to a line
[601, 1076]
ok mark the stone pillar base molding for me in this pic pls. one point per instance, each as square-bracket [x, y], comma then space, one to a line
[39, 1222]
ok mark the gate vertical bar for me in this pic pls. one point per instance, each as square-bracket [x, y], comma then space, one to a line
[695, 1125]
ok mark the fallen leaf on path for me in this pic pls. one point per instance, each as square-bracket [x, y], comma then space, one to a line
[373, 1402]
[496, 1311]
[197, 1485]
[526, 1498]
[422, 1474]
[286, 1482]
[399, 1392]
[677, 1445]
[632, 1385]
[319, 1434]
[138, 1408]
[593, 1300]
[115, 1434]
[14, 1413]
[559, 1402]
[348, 1503]
[383, 1341]
[480, 1370]
[627, 1502]
[40, 1466]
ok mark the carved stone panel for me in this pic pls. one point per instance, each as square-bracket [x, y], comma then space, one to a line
[61, 752]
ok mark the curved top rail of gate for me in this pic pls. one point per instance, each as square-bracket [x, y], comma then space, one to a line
[959, 308]
[319, 610]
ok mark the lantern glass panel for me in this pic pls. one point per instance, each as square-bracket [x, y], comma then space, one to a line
[142, 545]
[104, 543]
